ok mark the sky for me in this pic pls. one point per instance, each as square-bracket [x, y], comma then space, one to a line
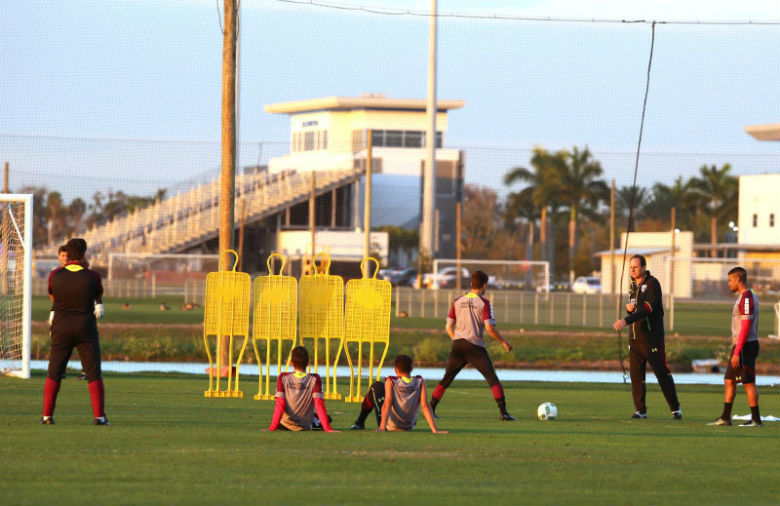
[127, 94]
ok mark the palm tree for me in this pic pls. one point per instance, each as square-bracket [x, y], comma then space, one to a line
[663, 198]
[628, 198]
[543, 186]
[720, 191]
[581, 191]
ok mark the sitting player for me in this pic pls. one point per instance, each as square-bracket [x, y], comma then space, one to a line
[399, 399]
[297, 395]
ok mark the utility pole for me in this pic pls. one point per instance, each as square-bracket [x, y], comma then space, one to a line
[228, 178]
[671, 270]
[457, 245]
[313, 218]
[612, 239]
[429, 170]
[367, 203]
[5, 179]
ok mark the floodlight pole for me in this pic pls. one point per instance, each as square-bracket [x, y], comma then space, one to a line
[671, 271]
[429, 169]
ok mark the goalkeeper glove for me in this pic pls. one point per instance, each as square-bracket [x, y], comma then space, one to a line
[99, 311]
[51, 318]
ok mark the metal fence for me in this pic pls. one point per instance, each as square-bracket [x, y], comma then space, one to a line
[515, 306]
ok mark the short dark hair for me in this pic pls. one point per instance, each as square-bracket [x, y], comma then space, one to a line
[478, 279]
[64, 247]
[403, 363]
[741, 274]
[76, 248]
[300, 357]
[642, 260]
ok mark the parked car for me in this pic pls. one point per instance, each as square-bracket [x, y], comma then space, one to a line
[586, 284]
[404, 277]
[446, 278]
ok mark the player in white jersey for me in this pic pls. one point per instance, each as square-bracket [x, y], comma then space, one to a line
[742, 361]
[297, 395]
[405, 395]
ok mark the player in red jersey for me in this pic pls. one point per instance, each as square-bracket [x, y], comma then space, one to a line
[297, 395]
[742, 360]
[469, 317]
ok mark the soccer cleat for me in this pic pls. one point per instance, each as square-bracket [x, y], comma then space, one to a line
[357, 426]
[506, 417]
[83, 376]
[677, 415]
[639, 414]
[720, 421]
[101, 421]
[751, 423]
[47, 421]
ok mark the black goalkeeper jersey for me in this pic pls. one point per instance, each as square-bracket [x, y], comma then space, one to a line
[75, 289]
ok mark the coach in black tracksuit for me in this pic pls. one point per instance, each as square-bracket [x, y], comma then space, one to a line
[646, 338]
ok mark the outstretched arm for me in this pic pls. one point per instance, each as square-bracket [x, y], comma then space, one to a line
[386, 406]
[493, 331]
[278, 412]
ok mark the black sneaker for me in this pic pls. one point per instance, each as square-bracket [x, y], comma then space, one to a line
[506, 417]
[639, 415]
[357, 426]
[83, 376]
[47, 421]
[751, 423]
[435, 416]
[101, 421]
[677, 415]
[720, 421]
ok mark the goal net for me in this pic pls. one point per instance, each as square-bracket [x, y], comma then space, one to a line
[504, 274]
[15, 284]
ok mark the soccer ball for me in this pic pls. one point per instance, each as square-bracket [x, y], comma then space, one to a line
[546, 411]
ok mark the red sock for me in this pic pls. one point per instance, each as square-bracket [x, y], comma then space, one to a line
[50, 390]
[438, 392]
[498, 391]
[97, 395]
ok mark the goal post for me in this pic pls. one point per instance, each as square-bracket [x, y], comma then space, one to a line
[16, 283]
[511, 274]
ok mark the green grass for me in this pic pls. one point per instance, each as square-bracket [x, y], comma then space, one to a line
[169, 445]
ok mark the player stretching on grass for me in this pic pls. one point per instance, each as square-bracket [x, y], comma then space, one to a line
[297, 395]
[469, 317]
[742, 362]
[406, 395]
[77, 295]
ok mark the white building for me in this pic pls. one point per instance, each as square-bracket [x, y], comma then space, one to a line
[330, 134]
[759, 210]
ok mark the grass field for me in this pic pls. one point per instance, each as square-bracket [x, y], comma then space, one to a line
[169, 445]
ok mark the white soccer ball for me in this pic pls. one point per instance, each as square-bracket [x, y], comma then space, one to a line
[546, 411]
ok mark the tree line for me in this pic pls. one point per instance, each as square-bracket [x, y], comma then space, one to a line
[54, 218]
[559, 209]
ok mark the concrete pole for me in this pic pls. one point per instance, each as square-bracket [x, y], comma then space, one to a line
[429, 175]
[228, 179]
[367, 203]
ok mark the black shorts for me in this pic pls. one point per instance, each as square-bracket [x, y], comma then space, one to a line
[74, 331]
[746, 372]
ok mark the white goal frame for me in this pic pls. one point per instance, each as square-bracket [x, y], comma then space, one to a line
[27, 200]
[464, 262]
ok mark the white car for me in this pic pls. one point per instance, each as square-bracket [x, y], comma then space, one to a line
[446, 278]
[586, 284]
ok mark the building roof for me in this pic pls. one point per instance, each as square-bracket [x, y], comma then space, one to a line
[770, 132]
[372, 101]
